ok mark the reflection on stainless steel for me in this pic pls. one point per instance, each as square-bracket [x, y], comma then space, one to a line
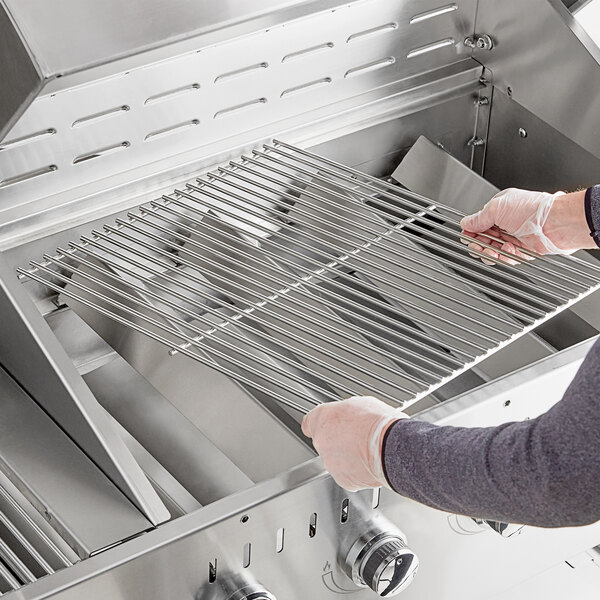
[180, 311]
[276, 242]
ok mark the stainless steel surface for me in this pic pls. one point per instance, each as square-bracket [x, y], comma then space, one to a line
[380, 559]
[100, 125]
[174, 560]
[21, 76]
[236, 586]
[39, 365]
[460, 187]
[272, 244]
[537, 50]
[50, 470]
[188, 456]
[514, 161]
[75, 35]
[239, 295]
[454, 183]
[193, 460]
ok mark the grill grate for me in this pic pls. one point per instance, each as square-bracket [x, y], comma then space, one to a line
[29, 549]
[308, 281]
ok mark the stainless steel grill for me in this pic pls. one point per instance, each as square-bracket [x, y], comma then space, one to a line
[309, 281]
[174, 318]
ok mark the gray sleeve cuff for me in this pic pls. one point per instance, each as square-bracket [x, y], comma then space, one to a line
[592, 212]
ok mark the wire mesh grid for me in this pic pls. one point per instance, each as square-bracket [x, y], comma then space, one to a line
[308, 281]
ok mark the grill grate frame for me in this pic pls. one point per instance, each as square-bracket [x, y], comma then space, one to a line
[308, 281]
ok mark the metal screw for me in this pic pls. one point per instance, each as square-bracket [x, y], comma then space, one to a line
[506, 403]
[522, 132]
[483, 101]
[245, 519]
[485, 42]
[475, 142]
[509, 91]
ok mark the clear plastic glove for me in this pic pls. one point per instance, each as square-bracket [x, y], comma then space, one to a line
[348, 435]
[528, 219]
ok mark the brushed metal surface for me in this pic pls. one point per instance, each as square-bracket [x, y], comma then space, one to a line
[41, 367]
[77, 499]
[18, 72]
[173, 561]
[172, 95]
[396, 284]
[544, 160]
[72, 35]
[171, 438]
[459, 186]
[548, 60]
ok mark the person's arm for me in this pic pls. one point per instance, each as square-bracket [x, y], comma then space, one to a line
[543, 472]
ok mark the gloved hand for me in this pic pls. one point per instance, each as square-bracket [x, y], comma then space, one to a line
[538, 221]
[348, 436]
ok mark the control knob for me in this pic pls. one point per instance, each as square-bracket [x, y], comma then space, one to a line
[381, 560]
[236, 587]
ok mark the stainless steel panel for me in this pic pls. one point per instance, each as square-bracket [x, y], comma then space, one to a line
[51, 471]
[441, 109]
[32, 355]
[19, 73]
[173, 561]
[545, 159]
[204, 397]
[188, 455]
[74, 35]
[118, 121]
[548, 61]
[454, 182]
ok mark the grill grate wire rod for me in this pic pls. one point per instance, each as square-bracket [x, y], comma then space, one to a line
[309, 281]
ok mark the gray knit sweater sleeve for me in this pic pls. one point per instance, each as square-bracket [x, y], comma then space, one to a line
[592, 212]
[543, 472]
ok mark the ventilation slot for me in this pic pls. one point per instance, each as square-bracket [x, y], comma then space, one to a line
[194, 87]
[376, 499]
[234, 109]
[212, 571]
[312, 525]
[368, 68]
[241, 72]
[280, 540]
[306, 86]
[102, 152]
[308, 51]
[101, 116]
[26, 139]
[430, 14]
[247, 555]
[345, 510]
[430, 47]
[173, 129]
[26, 176]
[361, 35]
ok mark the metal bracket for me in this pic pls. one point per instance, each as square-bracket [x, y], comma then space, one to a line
[480, 41]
